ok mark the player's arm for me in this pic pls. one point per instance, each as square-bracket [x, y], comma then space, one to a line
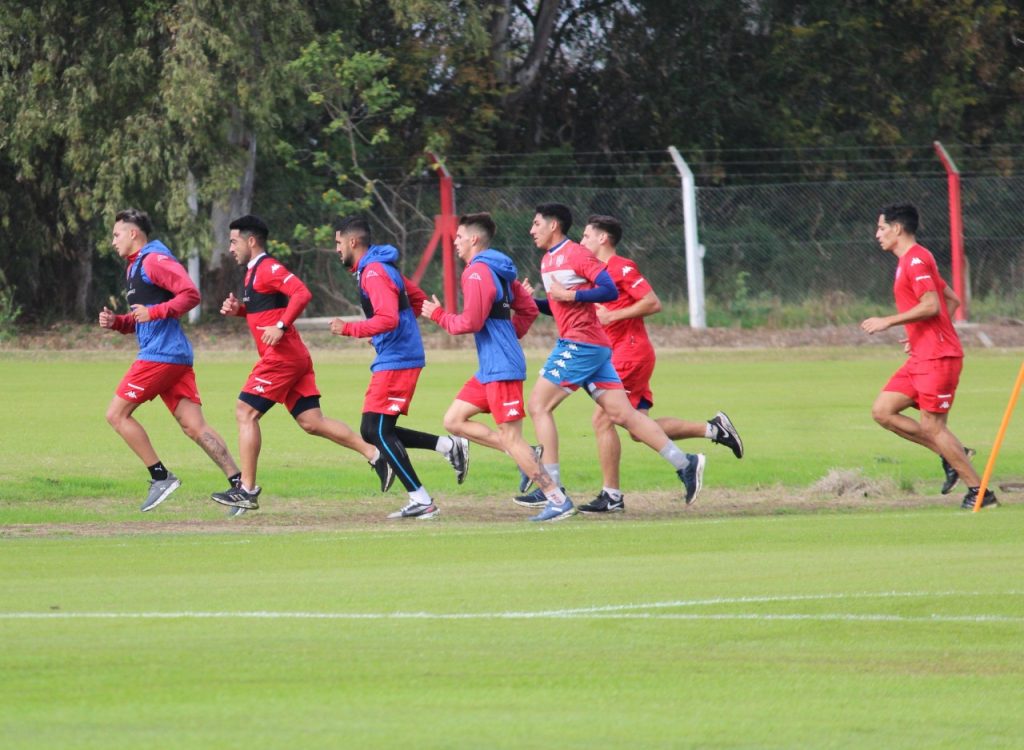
[478, 296]
[383, 296]
[952, 301]
[169, 274]
[120, 323]
[524, 309]
[927, 307]
[416, 296]
[649, 304]
[603, 290]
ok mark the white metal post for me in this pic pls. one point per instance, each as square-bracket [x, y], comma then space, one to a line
[694, 251]
[193, 256]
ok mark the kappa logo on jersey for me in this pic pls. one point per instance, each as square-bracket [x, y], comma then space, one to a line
[371, 274]
[475, 277]
[917, 262]
[275, 267]
[627, 269]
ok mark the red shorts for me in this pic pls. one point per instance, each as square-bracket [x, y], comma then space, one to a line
[501, 398]
[636, 379]
[932, 383]
[146, 380]
[282, 381]
[391, 391]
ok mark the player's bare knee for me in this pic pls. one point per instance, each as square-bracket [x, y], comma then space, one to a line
[309, 423]
[453, 425]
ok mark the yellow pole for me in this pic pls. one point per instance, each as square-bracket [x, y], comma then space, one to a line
[999, 440]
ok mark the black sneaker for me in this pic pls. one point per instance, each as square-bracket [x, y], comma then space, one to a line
[726, 434]
[604, 503]
[692, 475]
[952, 478]
[525, 481]
[972, 495]
[458, 457]
[535, 499]
[385, 471]
[236, 497]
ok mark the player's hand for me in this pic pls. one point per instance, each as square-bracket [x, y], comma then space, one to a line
[271, 334]
[874, 325]
[906, 345]
[140, 313]
[527, 286]
[429, 305]
[604, 315]
[230, 305]
[559, 293]
[107, 317]
[338, 327]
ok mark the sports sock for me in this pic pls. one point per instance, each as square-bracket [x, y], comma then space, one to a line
[710, 431]
[376, 456]
[157, 471]
[555, 495]
[673, 455]
[555, 474]
[235, 480]
[444, 445]
[613, 494]
[420, 496]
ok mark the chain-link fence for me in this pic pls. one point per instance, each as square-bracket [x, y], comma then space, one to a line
[770, 250]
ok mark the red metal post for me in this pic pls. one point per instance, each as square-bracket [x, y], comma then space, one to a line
[956, 229]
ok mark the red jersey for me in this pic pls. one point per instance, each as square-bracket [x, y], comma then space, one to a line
[574, 267]
[267, 279]
[935, 337]
[629, 337]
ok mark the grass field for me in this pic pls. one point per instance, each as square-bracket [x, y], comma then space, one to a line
[768, 616]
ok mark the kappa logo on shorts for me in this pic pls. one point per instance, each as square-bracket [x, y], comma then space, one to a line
[944, 405]
[131, 395]
[394, 407]
[556, 373]
[260, 389]
[559, 363]
[512, 413]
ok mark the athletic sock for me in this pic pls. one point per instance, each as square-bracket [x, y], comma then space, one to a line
[555, 495]
[420, 496]
[444, 445]
[555, 474]
[235, 480]
[710, 431]
[157, 471]
[613, 494]
[674, 456]
[376, 456]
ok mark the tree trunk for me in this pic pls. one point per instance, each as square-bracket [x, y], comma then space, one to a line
[223, 276]
[83, 254]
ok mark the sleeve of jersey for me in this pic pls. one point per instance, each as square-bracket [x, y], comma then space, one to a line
[604, 289]
[291, 286]
[638, 288]
[524, 309]
[478, 296]
[383, 296]
[124, 324]
[923, 278]
[416, 296]
[169, 274]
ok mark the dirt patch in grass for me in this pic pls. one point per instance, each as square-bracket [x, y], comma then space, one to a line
[833, 494]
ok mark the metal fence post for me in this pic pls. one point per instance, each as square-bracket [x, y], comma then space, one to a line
[694, 259]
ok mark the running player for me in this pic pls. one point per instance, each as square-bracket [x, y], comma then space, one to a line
[392, 303]
[575, 280]
[498, 311]
[159, 293]
[272, 299]
[928, 379]
[633, 357]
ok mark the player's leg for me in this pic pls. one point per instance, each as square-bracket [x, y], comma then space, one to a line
[887, 410]
[120, 416]
[313, 421]
[936, 432]
[379, 430]
[249, 409]
[689, 467]
[458, 421]
[609, 454]
[192, 422]
[544, 399]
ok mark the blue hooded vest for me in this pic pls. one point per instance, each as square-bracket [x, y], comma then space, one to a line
[402, 347]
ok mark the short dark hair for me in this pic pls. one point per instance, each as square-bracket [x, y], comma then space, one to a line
[482, 221]
[559, 212]
[253, 226]
[904, 214]
[608, 224]
[138, 218]
[356, 225]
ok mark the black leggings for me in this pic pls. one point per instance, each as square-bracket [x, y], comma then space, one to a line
[381, 431]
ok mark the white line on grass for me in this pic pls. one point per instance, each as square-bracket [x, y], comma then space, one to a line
[611, 611]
